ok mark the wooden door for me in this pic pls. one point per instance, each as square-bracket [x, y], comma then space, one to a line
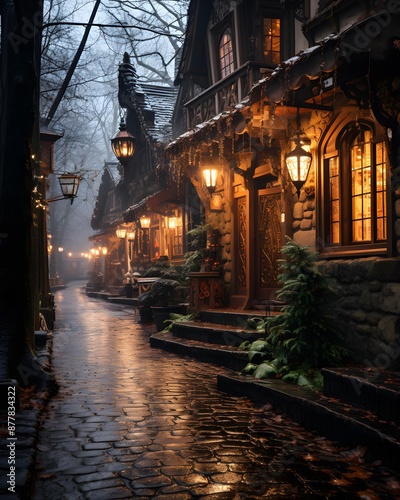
[268, 241]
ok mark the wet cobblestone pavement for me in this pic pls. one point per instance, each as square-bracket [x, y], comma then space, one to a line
[131, 421]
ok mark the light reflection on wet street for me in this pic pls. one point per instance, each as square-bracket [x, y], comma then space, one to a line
[131, 421]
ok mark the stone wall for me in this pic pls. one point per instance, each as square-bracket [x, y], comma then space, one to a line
[304, 221]
[368, 308]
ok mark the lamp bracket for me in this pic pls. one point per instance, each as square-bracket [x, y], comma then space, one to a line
[58, 198]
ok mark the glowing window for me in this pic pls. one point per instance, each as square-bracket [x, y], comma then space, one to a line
[356, 189]
[227, 64]
[272, 40]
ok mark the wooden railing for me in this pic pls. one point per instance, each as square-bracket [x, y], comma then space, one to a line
[224, 95]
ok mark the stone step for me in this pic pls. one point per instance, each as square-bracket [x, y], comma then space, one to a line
[214, 333]
[234, 317]
[331, 417]
[127, 301]
[97, 295]
[374, 389]
[227, 355]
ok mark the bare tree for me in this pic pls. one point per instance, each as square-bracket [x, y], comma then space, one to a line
[155, 42]
[88, 114]
[93, 87]
[91, 94]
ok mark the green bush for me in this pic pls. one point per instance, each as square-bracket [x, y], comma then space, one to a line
[197, 238]
[304, 337]
[305, 332]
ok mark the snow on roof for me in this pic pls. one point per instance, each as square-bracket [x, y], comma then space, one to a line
[161, 100]
[113, 168]
[246, 101]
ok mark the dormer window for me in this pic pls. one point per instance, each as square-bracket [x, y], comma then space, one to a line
[226, 59]
[272, 40]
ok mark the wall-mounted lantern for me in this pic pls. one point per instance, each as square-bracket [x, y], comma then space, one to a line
[298, 161]
[298, 164]
[123, 143]
[209, 171]
[172, 220]
[69, 184]
[144, 222]
[120, 232]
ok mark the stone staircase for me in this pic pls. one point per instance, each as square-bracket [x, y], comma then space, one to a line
[214, 338]
[356, 407]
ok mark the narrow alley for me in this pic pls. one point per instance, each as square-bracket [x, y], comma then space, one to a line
[131, 421]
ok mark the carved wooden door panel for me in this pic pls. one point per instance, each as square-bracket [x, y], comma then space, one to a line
[241, 250]
[268, 241]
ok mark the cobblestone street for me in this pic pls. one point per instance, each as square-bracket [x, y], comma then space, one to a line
[131, 421]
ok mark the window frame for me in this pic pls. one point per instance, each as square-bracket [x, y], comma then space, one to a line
[270, 60]
[216, 34]
[231, 64]
[338, 145]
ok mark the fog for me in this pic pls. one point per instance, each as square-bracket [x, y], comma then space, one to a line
[89, 113]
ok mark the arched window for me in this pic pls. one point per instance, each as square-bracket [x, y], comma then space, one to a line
[355, 171]
[226, 58]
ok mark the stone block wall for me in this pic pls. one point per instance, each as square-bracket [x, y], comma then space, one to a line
[304, 231]
[367, 309]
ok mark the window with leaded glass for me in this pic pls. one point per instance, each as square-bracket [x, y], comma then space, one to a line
[356, 212]
[226, 58]
[272, 40]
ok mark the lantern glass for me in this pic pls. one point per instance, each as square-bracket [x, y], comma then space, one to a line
[298, 164]
[123, 143]
[172, 222]
[69, 184]
[131, 235]
[144, 222]
[120, 232]
[210, 177]
[209, 169]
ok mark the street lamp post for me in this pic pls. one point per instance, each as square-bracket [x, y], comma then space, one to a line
[123, 233]
[145, 226]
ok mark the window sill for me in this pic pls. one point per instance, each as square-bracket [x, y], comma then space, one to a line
[353, 252]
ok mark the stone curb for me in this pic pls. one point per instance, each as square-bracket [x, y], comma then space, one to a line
[332, 418]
